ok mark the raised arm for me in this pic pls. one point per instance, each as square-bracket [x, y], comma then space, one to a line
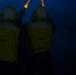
[22, 12]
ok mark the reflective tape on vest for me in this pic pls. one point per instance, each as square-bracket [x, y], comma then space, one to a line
[8, 26]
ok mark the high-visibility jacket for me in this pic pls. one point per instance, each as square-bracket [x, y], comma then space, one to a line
[40, 36]
[8, 42]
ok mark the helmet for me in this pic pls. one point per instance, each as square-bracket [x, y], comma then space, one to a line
[40, 13]
[9, 13]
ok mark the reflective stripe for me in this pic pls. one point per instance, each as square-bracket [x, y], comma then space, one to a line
[39, 25]
[8, 26]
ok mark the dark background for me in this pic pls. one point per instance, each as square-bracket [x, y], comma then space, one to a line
[63, 13]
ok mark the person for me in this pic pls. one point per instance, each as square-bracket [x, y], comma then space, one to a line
[40, 34]
[9, 34]
[23, 40]
[23, 35]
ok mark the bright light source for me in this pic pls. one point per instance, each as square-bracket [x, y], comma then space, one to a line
[43, 3]
[27, 3]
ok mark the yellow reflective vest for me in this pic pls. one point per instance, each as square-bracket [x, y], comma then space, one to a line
[8, 42]
[40, 36]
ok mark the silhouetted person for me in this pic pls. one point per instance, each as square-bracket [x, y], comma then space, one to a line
[9, 34]
[39, 39]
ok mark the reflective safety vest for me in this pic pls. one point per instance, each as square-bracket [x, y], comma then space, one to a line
[8, 42]
[40, 35]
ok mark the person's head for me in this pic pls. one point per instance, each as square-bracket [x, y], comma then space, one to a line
[40, 13]
[9, 13]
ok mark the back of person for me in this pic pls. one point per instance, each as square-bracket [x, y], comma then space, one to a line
[9, 33]
[40, 34]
